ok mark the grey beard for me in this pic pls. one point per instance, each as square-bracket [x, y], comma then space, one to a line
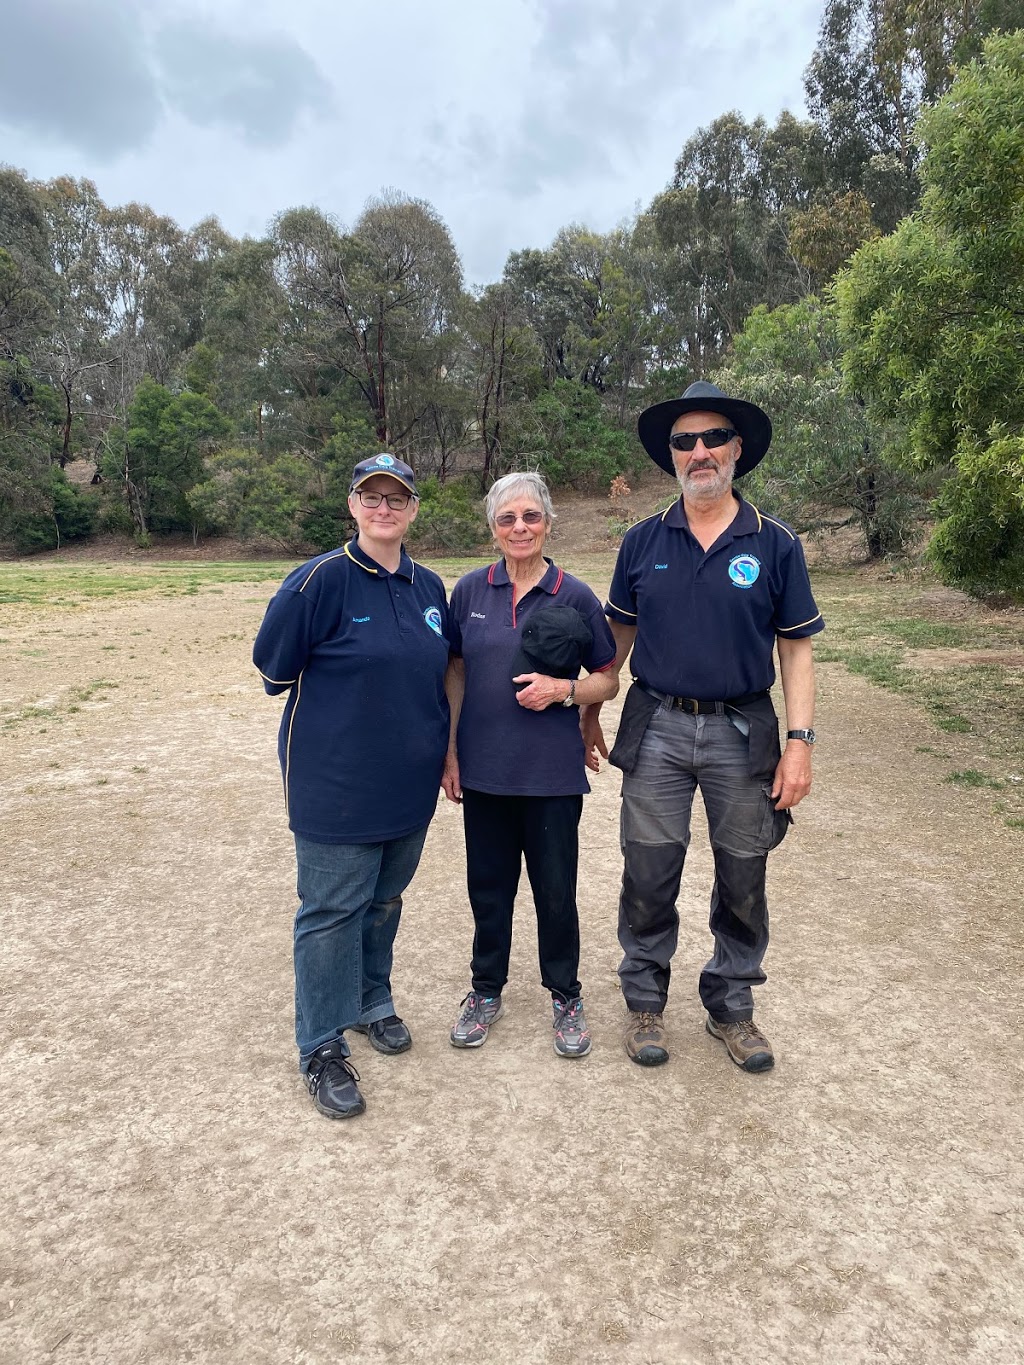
[705, 492]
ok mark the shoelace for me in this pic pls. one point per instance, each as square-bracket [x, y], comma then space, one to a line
[648, 1020]
[321, 1075]
[747, 1031]
[569, 1018]
[474, 1005]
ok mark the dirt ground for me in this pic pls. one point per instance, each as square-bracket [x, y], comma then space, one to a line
[169, 1193]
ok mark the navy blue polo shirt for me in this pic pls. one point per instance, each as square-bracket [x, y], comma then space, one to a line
[504, 748]
[707, 620]
[362, 654]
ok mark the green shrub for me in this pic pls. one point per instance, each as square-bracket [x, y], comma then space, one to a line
[450, 517]
[563, 432]
[71, 515]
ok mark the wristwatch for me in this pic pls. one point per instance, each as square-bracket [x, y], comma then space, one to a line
[571, 698]
[808, 736]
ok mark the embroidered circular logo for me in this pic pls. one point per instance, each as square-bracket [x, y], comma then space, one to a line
[432, 616]
[744, 570]
[385, 461]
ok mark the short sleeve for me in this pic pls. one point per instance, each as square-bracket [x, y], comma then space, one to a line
[284, 641]
[600, 654]
[455, 609]
[796, 612]
[621, 603]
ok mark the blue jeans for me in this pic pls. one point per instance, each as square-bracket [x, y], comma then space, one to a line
[350, 902]
[680, 753]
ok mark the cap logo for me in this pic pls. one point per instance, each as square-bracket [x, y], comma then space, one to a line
[432, 616]
[384, 461]
[744, 570]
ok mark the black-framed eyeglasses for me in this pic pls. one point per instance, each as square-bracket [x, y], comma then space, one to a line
[398, 502]
[507, 519]
[712, 438]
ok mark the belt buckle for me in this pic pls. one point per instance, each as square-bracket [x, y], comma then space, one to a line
[690, 705]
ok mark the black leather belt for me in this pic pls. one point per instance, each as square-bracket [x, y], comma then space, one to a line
[694, 706]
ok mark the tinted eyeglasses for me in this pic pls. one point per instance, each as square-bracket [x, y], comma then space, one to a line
[507, 519]
[396, 501]
[712, 438]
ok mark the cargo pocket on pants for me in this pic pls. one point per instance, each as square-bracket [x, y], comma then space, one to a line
[775, 823]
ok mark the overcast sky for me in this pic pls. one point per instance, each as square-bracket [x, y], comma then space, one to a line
[512, 117]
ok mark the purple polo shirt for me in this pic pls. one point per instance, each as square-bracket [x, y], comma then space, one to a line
[504, 748]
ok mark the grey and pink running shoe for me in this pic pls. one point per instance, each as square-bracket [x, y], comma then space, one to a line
[572, 1037]
[478, 1014]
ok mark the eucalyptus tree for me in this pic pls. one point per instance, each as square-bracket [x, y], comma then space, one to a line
[376, 305]
[829, 467]
[876, 66]
[724, 224]
[933, 320]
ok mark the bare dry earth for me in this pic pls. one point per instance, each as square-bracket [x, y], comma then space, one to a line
[170, 1194]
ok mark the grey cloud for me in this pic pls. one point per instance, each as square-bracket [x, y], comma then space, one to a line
[607, 77]
[78, 73]
[258, 86]
[95, 77]
[597, 65]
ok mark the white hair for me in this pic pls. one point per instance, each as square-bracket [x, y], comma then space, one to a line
[526, 483]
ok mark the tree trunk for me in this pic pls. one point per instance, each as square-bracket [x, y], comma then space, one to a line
[65, 452]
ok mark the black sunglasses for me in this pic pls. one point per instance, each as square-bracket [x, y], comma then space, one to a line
[714, 437]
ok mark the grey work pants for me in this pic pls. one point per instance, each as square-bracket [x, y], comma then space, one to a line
[680, 753]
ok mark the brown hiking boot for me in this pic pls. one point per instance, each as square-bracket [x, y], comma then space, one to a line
[645, 1038]
[748, 1047]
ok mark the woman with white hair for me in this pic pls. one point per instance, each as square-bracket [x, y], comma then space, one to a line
[519, 632]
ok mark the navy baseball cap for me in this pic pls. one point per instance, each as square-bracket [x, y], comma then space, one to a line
[387, 464]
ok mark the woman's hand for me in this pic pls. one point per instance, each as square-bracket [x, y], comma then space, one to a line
[450, 784]
[542, 690]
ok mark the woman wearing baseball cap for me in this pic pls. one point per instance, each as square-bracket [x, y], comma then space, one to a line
[358, 641]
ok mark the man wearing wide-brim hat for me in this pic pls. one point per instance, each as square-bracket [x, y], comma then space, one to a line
[701, 595]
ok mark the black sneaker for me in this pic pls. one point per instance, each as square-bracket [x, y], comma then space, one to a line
[386, 1035]
[331, 1081]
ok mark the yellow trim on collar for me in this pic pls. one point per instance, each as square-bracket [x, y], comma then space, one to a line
[364, 567]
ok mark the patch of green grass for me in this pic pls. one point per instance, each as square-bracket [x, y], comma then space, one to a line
[954, 724]
[883, 669]
[1014, 823]
[68, 585]
[971, 777]
[924, 634]
[872, 625]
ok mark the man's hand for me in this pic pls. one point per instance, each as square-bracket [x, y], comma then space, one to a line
[450, 784]
[793, 775]
[542, 690]
[593, 737]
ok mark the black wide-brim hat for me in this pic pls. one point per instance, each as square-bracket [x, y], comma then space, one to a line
[754, 426]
